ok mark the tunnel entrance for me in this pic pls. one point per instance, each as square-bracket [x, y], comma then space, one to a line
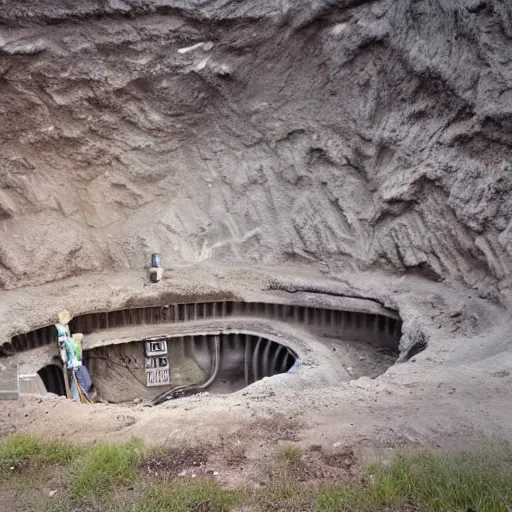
[166, 367]
[53, 379]
[222, 346]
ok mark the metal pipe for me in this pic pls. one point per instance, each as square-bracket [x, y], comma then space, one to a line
[194, 388]
[216, 366]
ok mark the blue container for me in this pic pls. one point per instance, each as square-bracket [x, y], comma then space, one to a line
[155, 260]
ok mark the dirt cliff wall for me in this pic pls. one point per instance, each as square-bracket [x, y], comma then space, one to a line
[376, 134]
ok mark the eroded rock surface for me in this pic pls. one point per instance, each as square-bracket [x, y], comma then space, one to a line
[369, 133]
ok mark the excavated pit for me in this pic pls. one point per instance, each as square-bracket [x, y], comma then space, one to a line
[190, 360]
[222, 347]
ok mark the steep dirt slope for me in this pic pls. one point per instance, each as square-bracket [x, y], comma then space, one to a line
[369, 133]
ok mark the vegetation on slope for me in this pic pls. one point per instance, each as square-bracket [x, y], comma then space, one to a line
[108, 477]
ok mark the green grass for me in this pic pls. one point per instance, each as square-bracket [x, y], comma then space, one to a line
[105, 467]
[18, 451]
[106, 475]
[202, 494]
[284, 494]
[289, 452]
[481, 480]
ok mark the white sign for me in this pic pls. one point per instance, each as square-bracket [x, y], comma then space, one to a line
[155, 346]
[158, 377]
[157, 362]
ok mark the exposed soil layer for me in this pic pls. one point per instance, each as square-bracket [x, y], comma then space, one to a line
[368, 134]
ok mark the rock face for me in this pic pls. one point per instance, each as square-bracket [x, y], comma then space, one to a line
[374, 134]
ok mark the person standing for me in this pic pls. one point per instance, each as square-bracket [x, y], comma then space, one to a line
[71, 354]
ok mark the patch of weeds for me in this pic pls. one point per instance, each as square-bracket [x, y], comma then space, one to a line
[289, 452]
[480, 480]
[284, 494]
[344, 497]
[453, 482]
[99, 478]
[197, 496]
[104, 467]
[18, 451]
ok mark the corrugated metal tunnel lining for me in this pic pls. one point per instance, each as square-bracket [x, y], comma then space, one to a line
[347, 324]
[219, 363]
[360, 342]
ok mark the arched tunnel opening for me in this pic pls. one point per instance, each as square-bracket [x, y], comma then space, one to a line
[53, 379]
[218, 363]
[181, 349]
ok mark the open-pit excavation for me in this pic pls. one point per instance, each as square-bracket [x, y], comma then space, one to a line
[240, 225]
